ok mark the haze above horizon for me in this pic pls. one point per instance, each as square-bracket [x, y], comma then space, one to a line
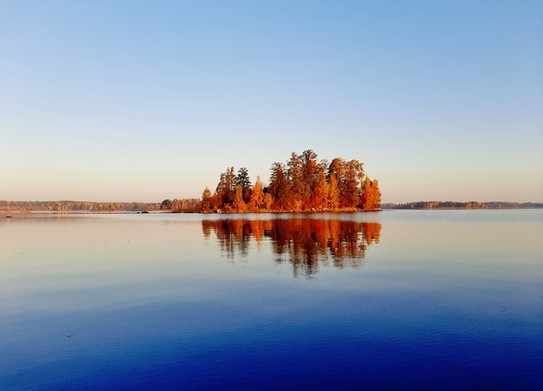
[113, 101]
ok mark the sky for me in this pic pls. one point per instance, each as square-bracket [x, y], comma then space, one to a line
[148, 100]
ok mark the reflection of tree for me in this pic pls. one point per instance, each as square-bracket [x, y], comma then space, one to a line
[231, 235]
[305, 243]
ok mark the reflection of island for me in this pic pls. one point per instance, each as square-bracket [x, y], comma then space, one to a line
[303, 242]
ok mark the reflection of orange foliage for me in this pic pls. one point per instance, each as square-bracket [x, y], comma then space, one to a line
[306, 242]
[257, 228]
[372, 232]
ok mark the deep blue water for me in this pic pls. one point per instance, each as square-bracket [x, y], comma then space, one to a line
[391, 300]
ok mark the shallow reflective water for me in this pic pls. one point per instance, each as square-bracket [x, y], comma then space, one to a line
[397, 299]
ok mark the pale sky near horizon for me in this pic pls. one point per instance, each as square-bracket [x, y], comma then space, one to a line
[145, 100]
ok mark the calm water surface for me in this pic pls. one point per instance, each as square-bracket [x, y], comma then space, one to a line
[397, 299]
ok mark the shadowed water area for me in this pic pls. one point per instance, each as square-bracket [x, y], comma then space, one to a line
[390, 300]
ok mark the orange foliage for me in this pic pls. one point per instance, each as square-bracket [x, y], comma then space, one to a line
[302, 184]
[371, 198]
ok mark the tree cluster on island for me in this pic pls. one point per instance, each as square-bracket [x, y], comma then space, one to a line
[303, 183]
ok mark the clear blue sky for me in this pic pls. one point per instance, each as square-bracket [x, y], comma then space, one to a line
[147, 100]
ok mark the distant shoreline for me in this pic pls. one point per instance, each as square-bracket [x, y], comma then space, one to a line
[7, 208]
[463, 205]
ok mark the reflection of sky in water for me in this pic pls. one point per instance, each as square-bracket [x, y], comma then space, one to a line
[447, 298]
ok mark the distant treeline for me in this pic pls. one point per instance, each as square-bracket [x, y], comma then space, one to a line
[77, 206]
[302, 183]
[183, 205]
[463, 205]
[194, 205]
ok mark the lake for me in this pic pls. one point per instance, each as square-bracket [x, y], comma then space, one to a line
[448, 299]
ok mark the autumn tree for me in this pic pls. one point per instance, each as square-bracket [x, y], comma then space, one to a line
[353, 183]
[319, 198]
[371, 197]
[185, 205]
[268, 200]
[333, 193]
[310, 176]
[349, 176]
[257, 196]
[206, 206]
[279, 186]
[216, 202]
[295, 180]
[239, 204]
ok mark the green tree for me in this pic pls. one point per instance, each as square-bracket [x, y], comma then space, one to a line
[166, 204]
[242, 179]
[226, 186]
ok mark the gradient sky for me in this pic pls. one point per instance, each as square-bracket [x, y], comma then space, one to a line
[145, 100]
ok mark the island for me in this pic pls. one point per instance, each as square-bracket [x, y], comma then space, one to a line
[301, 184]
